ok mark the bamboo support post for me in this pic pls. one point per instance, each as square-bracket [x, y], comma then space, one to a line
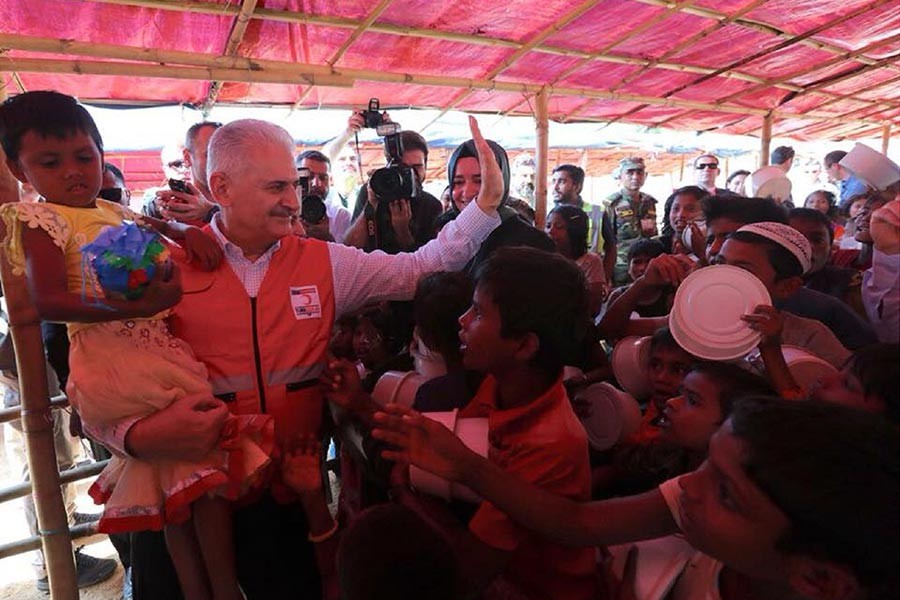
[541, 156]
[885, 138]
[37, 421]
[765, 140]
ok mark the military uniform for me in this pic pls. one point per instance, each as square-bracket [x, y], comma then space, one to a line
[626, 224]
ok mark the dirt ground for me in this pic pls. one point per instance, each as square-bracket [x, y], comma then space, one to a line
[16, 573]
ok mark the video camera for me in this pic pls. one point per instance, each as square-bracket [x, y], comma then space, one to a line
[372, 116]
[394, 181]
[312, 206]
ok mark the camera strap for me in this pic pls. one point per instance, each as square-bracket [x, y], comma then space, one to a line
[371, 226]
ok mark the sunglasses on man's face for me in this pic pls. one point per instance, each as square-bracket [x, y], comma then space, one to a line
[702, 166]
[175, 164]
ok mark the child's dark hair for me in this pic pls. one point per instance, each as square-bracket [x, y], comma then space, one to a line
[441, 298]
[782, 260]
[817, 217]
[833, 471]
[390, 552]
[689, 190]
[48, 114]
[577, 226]
[742, 210]
[383, 319]
[662, 339]
[541, 293]
[649, 247]
[733, 382]
[876, 368]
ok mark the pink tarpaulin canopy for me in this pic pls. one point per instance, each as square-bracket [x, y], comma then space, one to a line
[822, 68]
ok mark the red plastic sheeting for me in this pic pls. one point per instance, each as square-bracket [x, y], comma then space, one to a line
[724, 46]
[619, 35]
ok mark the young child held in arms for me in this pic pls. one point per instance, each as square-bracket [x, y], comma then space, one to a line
[124, 362]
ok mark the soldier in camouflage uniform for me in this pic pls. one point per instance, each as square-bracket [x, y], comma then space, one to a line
[632, 213]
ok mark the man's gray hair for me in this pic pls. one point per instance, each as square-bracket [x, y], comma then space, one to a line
[231, 145]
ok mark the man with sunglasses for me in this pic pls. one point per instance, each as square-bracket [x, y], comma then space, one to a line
[192, 204]
[113, 187]
[706, 170]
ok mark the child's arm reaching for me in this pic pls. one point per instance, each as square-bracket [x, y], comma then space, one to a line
[430, 446]
[200, 248]
[300, 469]
[767, 320]
[46, 269]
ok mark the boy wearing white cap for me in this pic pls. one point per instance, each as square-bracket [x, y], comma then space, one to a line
[778, 255]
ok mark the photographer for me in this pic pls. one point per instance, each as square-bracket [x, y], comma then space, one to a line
[321, 214]
[404, 224]
[188, 201]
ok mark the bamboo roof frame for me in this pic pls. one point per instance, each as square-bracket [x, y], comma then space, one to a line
[311, 76]
[177, 64]
[239, 28]
[330, 21]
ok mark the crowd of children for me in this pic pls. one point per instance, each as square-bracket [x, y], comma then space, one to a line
[742, 481]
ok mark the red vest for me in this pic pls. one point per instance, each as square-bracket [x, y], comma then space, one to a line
[264, 354]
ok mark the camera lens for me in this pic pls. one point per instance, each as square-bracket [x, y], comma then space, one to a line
[312, 209]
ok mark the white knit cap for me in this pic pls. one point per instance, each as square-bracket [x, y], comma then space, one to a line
[785, 236]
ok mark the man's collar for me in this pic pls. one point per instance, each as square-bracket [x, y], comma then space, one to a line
[229, 247]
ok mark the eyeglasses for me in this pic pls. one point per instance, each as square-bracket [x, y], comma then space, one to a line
[175, 164]
[111, 194]
[702, 166]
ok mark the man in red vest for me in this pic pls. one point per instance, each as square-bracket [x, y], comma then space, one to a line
[260, 322]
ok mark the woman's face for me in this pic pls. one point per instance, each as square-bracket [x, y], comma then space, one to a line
[556, 229]
[817, 201]
[685, 208]
[466, 181]
[736, 184]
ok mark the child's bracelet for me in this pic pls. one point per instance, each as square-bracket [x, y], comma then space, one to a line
[322, 537]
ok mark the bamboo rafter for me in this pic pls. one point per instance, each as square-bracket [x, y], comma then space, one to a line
[757, 26]
[533, 43]
[791, 41]
[234, 41]
[863, 91]
[340, 22]
[693, 39]
[210, 68]
[828, 63]
[620, 40]
[376, 12]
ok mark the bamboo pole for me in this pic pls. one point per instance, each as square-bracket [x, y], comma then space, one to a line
[768, 51]
[765, 140]
[294, 71]
[238, 29]
[848, 56]
[37, 421]
[683, 44]
[331, 21]
[541, 156]
[885, 138]
[709, 13]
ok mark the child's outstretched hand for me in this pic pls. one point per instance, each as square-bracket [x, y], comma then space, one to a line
[300, 464]
[422, 442]
[201, 249]
[163, 292]
[768, 321]
[342, 383]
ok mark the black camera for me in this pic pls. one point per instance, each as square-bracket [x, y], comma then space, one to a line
[394, 181]
[177, 185]
[312, 206]
[373, 115]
